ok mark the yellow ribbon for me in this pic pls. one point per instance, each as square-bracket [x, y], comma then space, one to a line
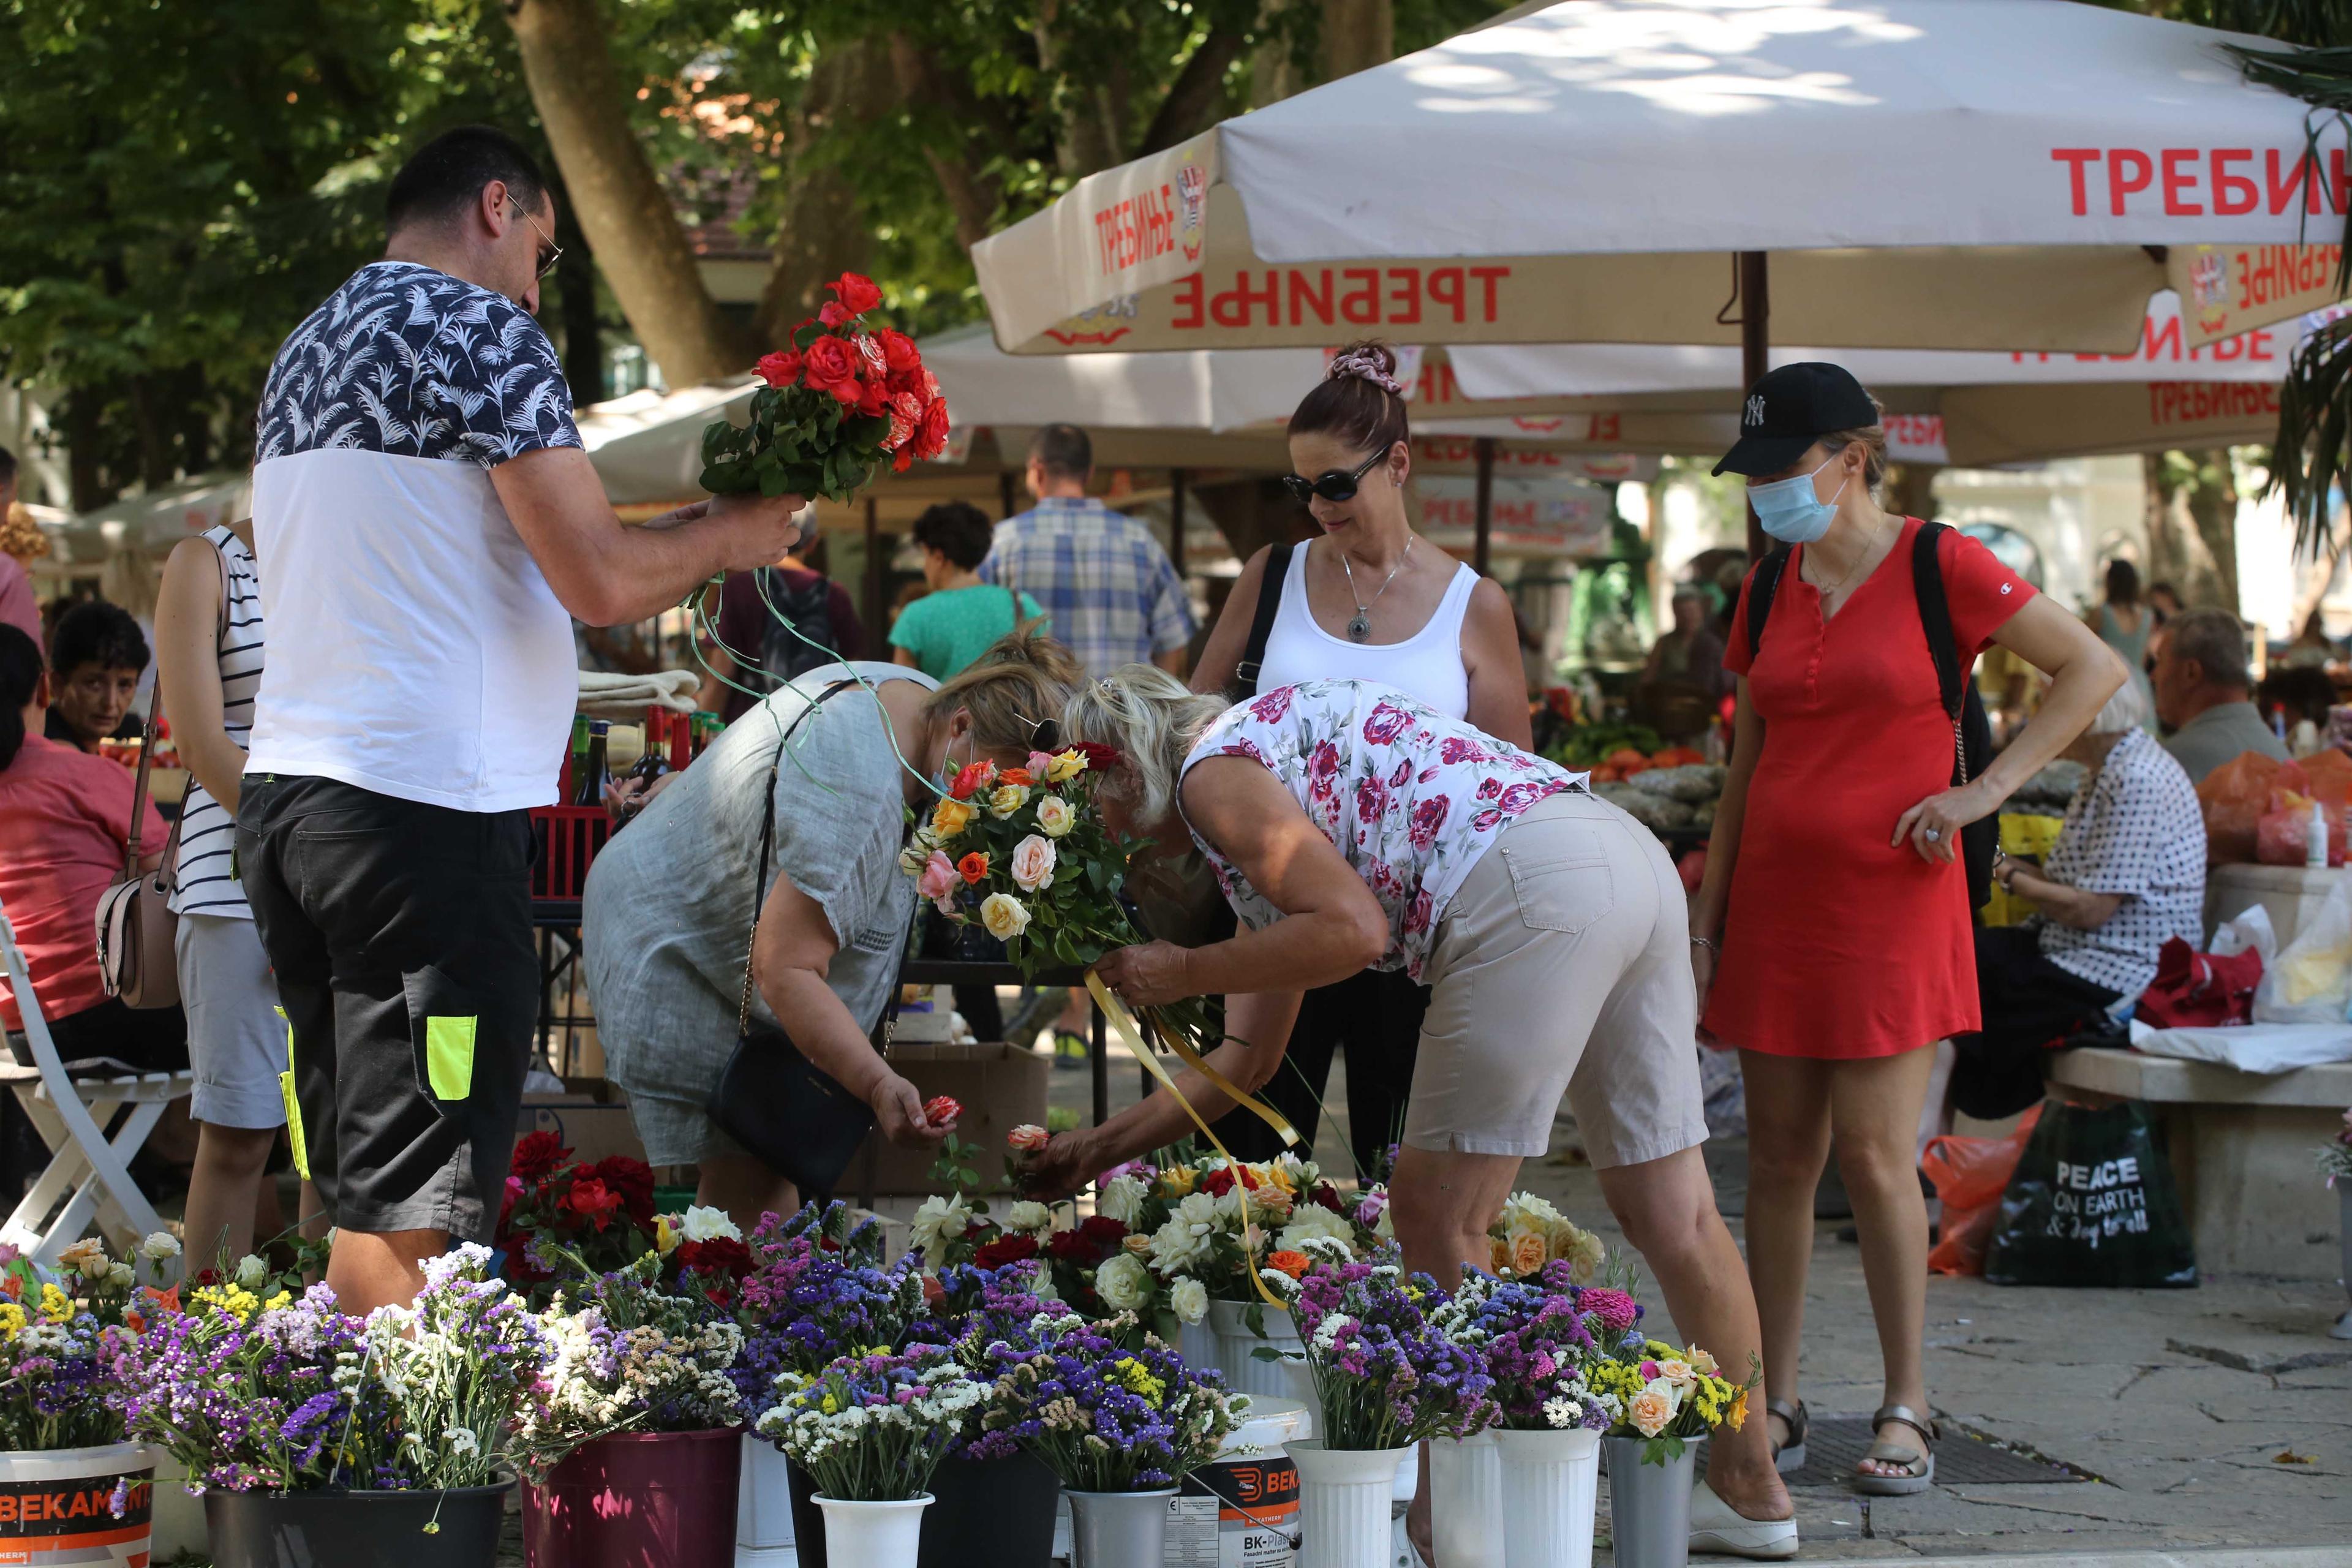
[1124, 1025]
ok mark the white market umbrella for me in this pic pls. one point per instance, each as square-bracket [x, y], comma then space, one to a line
[1926, 173]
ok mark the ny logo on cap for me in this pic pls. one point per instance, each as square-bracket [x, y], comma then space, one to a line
[1756, 409]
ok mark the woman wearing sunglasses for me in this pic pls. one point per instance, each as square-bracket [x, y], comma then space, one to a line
[1365, 599]
[1352, 827]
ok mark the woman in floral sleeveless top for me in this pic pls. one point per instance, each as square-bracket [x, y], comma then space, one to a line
[1350, 828]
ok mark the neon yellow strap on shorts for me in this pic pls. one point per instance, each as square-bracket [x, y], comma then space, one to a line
[1123, 1023]
[294, 1138]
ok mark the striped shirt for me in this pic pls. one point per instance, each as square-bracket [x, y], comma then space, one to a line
[1106, 584]
[205, 881]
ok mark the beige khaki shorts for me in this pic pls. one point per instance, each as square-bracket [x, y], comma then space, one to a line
[1562, 963]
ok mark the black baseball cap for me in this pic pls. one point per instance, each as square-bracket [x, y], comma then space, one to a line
[1789, 408]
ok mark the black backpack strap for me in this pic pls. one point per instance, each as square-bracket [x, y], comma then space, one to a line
[1936, 615]
[1269, 603]
[1763, 586]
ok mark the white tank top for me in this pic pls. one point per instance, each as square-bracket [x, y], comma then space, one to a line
[1426, 666]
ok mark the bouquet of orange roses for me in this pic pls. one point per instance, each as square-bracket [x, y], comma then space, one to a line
[841, 398]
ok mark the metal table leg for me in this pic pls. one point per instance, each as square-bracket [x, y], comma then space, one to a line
[1098, 1062]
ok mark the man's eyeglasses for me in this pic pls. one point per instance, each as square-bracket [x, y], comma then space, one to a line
[1333, 486]
[554, 252]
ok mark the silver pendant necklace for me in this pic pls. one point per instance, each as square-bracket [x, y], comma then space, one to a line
[1359, 625]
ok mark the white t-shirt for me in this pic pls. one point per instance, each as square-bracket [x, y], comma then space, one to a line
[416, 649]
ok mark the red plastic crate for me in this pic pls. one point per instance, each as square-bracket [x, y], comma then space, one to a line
[567, 838]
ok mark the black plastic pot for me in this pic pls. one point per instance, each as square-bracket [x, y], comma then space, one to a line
[296, 1529]
[808, 1518]
[990, 1513]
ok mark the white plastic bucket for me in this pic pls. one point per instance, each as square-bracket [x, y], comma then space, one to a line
[1283, 1375]
[1241, 1510]
[872, 1534]
[763, 1509]
[54, 1505]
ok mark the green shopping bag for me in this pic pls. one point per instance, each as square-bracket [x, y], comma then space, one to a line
[2091, 1203]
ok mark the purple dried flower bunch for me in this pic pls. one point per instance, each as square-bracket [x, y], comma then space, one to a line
[1107, 1407]
[1385, 1376]
[818, 1290]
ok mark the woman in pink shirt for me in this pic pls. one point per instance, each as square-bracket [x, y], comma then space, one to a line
[65, 821]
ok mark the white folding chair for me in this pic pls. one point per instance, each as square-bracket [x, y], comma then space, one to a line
[89, 1174]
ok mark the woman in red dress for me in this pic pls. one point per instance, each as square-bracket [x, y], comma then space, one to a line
[1832, 937]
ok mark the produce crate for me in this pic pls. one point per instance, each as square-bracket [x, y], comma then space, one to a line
[566, 840]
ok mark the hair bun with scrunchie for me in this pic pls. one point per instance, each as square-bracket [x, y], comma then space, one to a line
[1366, 362]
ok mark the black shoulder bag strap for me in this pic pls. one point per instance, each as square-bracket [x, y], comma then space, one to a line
[770, 1098]
[1762, 588]
[1971, 729]
[1269, 603]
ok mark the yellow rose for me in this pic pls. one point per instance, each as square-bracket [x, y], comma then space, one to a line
[1005, 916]
[11, 1317]
[1651, 1410]
[1066, 766]
[1006, 799]
[1528, 1255]
[951, 817]
[1055, 817]
[664, 1236]
[1178, 1181]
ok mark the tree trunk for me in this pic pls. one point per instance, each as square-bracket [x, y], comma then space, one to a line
[824, 232]
[2212, 505]
[620, 205]
[1274, 69]
[2186, 512]
[1911, 489]
[1356, 34]
[1084, 144]
[971, 195]
[575, 305]
[1194, 98]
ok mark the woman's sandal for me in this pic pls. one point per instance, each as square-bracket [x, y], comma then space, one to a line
[1919, 1464]
[1789, 1457]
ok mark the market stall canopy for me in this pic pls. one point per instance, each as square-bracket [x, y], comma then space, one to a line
[1926, 173]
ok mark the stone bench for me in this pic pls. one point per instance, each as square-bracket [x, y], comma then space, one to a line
[2291, 893]
[2241, 1145]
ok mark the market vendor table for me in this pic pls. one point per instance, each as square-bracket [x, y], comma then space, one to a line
[2241, 1145]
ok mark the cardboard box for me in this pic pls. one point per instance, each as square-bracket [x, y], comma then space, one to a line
[999, 1086]
[592, 1124]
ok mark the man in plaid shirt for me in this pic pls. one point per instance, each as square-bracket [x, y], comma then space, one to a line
[1103, 580]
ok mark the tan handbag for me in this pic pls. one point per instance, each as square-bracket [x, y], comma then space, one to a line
[135, 922]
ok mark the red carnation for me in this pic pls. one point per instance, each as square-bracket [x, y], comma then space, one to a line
[536, 1155]
[1102, 1230]
[932, 434]
[781, 368]
[857, 295]
[1007, 1249]
[830, 365]
[1325, 1195]
[1071, 1246]
[941, 1110]
[1218, 1182]
[592, 1202]
[633, 1180]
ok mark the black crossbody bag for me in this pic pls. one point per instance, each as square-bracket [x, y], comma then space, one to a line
[772, 1099]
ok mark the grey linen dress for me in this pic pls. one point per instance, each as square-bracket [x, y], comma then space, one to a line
[666, 919]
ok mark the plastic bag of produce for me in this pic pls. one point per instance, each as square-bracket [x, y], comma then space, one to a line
[2311, 981]
[1971, 1175]
[2235, 795]
[2091, 1203]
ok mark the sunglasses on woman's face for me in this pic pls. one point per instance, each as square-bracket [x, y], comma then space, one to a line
[1045, 734]
[1333, 486]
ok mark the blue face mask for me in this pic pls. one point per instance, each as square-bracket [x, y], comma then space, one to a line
[1790, 512]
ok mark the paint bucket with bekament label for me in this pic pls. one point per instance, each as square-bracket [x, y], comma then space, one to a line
[81, 1506]
[1241, 1510]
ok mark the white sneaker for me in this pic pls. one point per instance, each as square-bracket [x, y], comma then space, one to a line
[1716, 1527]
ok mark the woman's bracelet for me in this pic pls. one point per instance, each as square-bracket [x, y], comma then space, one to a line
[1709, 943]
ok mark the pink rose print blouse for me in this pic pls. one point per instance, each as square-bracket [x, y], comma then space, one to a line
[1410, 796]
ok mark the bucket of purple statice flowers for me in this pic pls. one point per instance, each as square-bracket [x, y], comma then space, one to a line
[318, 1436]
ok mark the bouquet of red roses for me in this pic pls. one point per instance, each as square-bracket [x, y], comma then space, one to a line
[841, 397]
[560, 1213]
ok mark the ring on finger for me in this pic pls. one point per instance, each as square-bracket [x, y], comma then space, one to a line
[1934, 836]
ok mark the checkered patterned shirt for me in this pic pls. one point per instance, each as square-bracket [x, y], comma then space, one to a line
[1106, 584]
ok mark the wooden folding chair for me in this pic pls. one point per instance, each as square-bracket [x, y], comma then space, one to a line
[89, 1174]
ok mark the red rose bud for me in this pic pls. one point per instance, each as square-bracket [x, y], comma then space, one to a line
[781, 368]
[898, 352]
[941, 1110]
[857, 294]
[832, 315]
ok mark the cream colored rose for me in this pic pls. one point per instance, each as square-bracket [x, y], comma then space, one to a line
[1498, 1258]
[1676, 1371]
[1701, 1361]
[1188, 1299]
[1028, 1216]
[1528, 1253]
[1006, 799]
[1055, 816]
[1066, 766]
[1650, 1409]
[1137, 1243]
[1122, 1282]
[1005, 916]
[1033, 863]
[703, 1223]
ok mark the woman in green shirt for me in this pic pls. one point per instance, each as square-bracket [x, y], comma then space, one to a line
[961, 616]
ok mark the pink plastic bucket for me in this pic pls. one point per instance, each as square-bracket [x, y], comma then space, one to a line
[652, 1499]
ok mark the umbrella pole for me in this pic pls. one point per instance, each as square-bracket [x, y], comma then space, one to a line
[1176, 522]
[875, 630]
[1755, 352]
[1482, 552]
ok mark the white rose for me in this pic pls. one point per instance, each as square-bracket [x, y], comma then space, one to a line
[1310, 1221]
[1190, 1300]
[1188, 1235]
[121, 1276]
[251, 1271]
[1055, 817]
[1005, 916]
[704, 1223]
[160, 1245]
[1122, 1282]
[1027, 1216]
[937, 1222]
[1033, 864]
[1121, 1198]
